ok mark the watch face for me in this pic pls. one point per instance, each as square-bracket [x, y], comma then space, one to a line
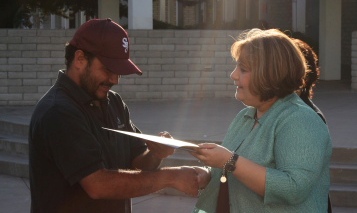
[230, 167]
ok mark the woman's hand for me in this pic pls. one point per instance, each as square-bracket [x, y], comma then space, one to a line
[212, 154]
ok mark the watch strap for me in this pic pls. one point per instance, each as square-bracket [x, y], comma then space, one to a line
[229, 166]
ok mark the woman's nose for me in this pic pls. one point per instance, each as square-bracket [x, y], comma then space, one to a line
[234, 74]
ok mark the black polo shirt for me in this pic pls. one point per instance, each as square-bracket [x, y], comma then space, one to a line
[67, 143]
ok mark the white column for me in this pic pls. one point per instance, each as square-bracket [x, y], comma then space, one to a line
[263, 9]
[108, 9]
[162, 10]
[354, 61]
[229, 10]
[53, 21]
[330, 40]
[247, 9]
[140, 15]
[65, 22]
[81, 18]
[299, 17]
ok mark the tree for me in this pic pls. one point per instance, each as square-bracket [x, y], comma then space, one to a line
[17, 13]
[64, 8]
[11, 13]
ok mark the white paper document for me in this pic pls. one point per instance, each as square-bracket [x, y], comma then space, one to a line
[177, 144]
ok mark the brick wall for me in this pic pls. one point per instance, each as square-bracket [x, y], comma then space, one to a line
[354, 61]
[181, 64]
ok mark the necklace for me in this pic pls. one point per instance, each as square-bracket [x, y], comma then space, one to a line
[256, 117]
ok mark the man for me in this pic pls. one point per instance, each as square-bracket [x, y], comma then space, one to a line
[76, 165]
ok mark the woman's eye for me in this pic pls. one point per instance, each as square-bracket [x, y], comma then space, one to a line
[242, 69]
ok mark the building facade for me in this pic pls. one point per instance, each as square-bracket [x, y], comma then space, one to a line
[289, 15]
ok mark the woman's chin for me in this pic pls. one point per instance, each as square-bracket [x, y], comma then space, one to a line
[238, 97]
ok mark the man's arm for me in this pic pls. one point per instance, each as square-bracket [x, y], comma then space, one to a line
[107, 184]
[146, 161]
[151, 158]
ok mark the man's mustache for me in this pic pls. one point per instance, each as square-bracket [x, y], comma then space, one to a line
[107, 85]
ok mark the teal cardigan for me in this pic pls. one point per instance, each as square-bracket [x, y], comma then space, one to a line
[294, 144]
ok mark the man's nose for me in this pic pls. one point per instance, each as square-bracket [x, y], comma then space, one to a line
[114, 78]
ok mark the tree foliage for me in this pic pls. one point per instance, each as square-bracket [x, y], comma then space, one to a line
[41, 9]
[11, 14]
[62, 7]
[17, 13]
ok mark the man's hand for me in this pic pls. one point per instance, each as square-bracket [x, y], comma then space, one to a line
[158, 150]
[204, 176]
[184, 179]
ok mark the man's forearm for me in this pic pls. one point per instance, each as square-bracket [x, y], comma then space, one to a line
[146, 161]
[107, 184]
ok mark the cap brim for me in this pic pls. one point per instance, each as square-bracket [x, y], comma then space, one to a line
[120, 66]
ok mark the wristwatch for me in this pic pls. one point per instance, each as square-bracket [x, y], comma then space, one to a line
[230, 166]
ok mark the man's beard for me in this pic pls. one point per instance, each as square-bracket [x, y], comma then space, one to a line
[90, 84]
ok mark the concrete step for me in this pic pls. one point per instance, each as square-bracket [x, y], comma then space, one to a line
[14, 165]
[343, 210]
[343, 195]
[13, 144]
[343, 173]
[343, 166]
[344, 155]
[20, 129]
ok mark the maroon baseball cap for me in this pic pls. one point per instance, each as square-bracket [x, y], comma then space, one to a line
[109, 42]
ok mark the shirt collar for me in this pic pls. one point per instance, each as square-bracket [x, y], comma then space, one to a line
[74, 90]
[252, 110]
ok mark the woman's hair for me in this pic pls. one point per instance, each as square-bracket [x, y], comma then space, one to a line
[70, 50]
[313, 70]
[276, 63]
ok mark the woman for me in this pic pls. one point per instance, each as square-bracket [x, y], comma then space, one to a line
[312, 74]
[271, 157]
[306, 93]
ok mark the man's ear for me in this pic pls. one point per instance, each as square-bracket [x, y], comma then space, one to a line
[78, 66]
[80, 61]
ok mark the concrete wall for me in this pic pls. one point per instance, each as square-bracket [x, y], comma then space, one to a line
[354, 61]
[349, 24]
[280, 14]
[176, 64]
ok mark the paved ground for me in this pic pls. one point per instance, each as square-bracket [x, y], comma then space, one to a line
[15, 198]
[198, 120]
